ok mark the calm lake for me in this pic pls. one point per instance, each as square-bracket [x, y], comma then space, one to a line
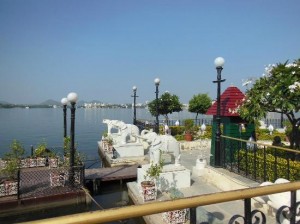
[33, 126]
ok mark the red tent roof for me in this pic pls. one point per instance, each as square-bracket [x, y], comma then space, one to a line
[230, 99]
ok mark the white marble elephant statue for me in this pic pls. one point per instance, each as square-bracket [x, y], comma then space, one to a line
[280, 201]
[165, 143]
[110, 125]
[126, 132]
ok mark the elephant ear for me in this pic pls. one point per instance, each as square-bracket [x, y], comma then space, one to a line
[145, 145]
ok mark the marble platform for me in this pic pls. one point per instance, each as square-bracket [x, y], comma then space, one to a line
[171, 176]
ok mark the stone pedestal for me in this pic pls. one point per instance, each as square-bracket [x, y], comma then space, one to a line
[199, 170]
[129, 150]
[171, 176]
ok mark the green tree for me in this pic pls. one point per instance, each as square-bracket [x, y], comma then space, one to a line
[13, 158]
[278, 90]
[167, 104]
[199, 104]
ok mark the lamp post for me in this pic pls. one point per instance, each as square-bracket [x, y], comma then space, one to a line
[219, 62]
[156, 81]
[72, 98]
[64, 102]
[134, 88]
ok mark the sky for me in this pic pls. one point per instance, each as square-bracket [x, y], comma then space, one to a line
[100, 49]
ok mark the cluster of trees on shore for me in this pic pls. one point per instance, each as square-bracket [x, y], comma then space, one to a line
[278, 90]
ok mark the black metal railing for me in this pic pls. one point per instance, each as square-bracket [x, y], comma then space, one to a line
[277, 123]
[260, 162]
[36, 179]
[150, 124]
[287, 213]
[43, 181]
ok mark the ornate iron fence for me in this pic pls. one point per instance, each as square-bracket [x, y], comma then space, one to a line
[285, 214]
[260, 162]
[36, 180]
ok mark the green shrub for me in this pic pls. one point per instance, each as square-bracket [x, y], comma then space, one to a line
[179, 137]
[13, 158]
[176, 130]
[179, 131]
[264, 134]
[258, 165]
[188, 125]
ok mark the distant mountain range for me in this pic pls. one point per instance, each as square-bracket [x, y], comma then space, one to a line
[4, 102]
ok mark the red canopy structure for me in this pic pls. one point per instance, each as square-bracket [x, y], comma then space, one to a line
[231, 122]
[231, 98]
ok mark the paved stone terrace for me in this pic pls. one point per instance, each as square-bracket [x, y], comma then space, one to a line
[210, 214]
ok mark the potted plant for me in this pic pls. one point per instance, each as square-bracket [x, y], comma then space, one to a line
[12, 164]
[104, 134]
[149, 189]
[53, 160]
[40, 154]
[188, 127]
[109, 144]
[175, 216]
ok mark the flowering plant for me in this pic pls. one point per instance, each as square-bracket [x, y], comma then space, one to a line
[278, 90]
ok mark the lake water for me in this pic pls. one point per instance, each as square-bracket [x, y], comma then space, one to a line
[33, 126]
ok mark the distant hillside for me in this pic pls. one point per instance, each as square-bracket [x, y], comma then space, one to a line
[4, 102]
[50, 102]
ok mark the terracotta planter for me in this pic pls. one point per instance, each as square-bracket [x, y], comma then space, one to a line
[176, 216]
[40, 161]
[53, 162]
[3, 163]
[25, 163]
[32, 162]
[2, 190]
[57, 179]
[188, 137]
[149, 191]
[11, 187]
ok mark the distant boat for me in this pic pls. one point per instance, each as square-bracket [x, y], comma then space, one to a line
[54, 106]
[26, 107]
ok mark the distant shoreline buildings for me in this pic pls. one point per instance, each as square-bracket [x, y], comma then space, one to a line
[82, 104]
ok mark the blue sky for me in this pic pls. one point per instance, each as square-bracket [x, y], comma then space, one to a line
[101, 49]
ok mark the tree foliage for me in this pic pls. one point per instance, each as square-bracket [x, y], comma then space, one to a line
[278, 90]
[199, 104]
[167, 104]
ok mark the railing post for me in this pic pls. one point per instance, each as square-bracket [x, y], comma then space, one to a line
[247, 210]
[288, 168]
[275, 164]
[193, 215]
[254, 164]
[293, 207]
[246, 162]
[31, 150]
[265, 164]
[224, 151]
[231, 156]
[239, 159]
[83, 175]
[19, 178]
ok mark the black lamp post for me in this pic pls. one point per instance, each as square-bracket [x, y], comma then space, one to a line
[156, 81]
[72, 98]
[219, 62]
[134, 104]
[64, 102]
